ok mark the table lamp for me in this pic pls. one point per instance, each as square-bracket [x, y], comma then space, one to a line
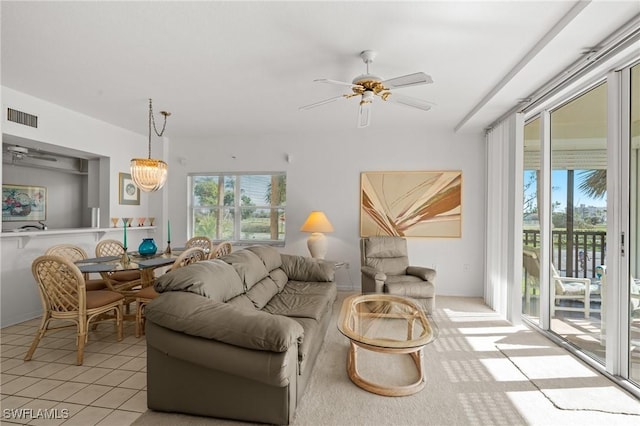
[317, 223]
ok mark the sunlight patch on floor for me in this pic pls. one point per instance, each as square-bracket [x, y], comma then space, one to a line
[503, 370]
[609, 398]
[538, 410]
[491, 330]
[552, 367]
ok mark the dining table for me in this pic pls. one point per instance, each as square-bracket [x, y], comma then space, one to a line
[133, 261]
[136, 262]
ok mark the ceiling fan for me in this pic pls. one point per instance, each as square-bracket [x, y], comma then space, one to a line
[368, 86]
[20, 153]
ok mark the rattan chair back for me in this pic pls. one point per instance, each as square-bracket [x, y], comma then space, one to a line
[146, 295]
[189, 256]
[61, 284]
[63, 295]
[120, 281]
[199, 241]
[221, 249]
[74, 254]
[109, 248]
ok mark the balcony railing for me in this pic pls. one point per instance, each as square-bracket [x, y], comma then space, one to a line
[577, 255]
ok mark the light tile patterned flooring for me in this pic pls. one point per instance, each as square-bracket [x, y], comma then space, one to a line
[108, 389]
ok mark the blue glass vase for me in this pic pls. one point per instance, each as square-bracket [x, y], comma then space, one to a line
[147, 247]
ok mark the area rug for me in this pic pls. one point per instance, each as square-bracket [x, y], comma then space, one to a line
[480, 371]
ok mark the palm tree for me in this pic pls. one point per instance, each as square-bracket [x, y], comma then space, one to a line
[594, 183]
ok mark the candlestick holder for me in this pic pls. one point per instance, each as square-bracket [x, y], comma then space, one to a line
[168, 249]
[125, 259]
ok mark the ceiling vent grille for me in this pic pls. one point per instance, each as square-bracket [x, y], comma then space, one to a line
[22, 118]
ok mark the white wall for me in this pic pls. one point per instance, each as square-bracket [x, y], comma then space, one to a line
[324, 174]
[69, 129]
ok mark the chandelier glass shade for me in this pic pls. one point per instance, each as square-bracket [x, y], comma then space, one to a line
[150, 174]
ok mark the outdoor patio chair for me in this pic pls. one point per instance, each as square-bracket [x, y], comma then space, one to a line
[563, 289]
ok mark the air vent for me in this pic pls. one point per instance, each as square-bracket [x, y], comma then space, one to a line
[22, 118]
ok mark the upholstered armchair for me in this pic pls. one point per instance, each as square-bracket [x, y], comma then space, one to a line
[385, 269]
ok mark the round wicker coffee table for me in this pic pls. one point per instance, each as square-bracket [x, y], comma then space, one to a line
[387, 324]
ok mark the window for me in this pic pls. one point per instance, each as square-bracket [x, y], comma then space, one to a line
[240, 207]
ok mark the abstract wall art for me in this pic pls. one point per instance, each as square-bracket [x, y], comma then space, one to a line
[411, 204]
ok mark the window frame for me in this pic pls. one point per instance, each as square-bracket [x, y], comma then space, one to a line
[237, 207]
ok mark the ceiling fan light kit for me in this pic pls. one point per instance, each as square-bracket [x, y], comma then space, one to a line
[367, 86]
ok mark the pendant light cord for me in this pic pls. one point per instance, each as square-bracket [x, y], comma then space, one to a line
[152, 120]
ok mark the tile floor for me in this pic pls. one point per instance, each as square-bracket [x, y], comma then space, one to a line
[108, 389]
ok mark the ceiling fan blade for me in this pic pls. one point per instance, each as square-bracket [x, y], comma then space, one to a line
[339, 83]
[326, 101]
[407, 80]
[364, 114]
[407, 101]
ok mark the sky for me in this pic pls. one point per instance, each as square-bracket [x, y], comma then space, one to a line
[559, 190]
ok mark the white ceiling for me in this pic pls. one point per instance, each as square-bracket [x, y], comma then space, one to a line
[245, 67]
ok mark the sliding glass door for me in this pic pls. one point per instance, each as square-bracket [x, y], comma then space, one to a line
[531, 221]
[565, 182]
[634, 223]
[578, 206]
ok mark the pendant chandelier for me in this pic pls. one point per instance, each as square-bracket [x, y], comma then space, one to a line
[150, 174]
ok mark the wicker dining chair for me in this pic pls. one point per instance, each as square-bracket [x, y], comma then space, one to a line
[64, 297]
[199, 241]
[74, 254]
[221, 249]
[123, 282]
[147, 294]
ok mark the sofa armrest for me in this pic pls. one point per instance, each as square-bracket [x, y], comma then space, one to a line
[426, 274]
[373, 273]
[198, 316]
[299, 268]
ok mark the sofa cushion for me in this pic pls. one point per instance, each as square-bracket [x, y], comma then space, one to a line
[247, 265]
[261, 293]
[242, 301]
[326, 289]
[270, 256]
[213, 279]
[198, 316]
[297, 305]
[279, 277]
[307, 269]
[409, 286]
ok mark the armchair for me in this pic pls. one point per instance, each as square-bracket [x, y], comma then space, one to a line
[385, 269]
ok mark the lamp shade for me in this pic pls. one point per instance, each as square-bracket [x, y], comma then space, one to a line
[148, 174]
[317, 222]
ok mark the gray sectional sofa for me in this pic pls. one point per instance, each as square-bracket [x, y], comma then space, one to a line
[237, 337]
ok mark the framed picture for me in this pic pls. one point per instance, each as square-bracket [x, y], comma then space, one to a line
[128, 192]
[411, 204]
[24, 203]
